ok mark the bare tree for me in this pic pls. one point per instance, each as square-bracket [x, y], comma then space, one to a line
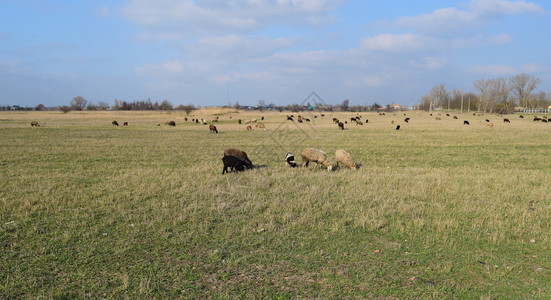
[483, 87]
[522, 86]
[440, 95]
[78, 103]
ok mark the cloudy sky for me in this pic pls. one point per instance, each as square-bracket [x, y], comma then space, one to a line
[211, 52]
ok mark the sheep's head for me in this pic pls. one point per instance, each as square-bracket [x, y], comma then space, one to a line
[353, 166]
[329, 168]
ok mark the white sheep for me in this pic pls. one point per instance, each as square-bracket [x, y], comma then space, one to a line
[343, 159]
[317, 156]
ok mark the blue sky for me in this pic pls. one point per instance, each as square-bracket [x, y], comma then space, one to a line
[279, 51]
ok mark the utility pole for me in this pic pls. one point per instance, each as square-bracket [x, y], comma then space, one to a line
[469, 104]
[461, 101]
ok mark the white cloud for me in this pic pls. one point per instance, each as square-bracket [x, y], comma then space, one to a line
[451, 20]
[493, 70]
[188, 17]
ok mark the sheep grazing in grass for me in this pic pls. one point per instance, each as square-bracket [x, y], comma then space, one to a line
[125, 124]
[239, 154]
[358, 122]
[260, 126]
[506, 120]
[212, 128]
[314, 155]
[249, 127]
[234, 163]
[170, 123]
[536, 119]
[466, 122]
[455, 117]
[239, 121]
[406, 120]
[543, 120]
[115, 123]
[521, 117]
[341, 125]
[290, 160]
[343, 159]
[35, 124]
[290, 119]
[487, 121]
[398, 127]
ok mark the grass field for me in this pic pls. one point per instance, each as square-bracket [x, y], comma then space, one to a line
[437, 209]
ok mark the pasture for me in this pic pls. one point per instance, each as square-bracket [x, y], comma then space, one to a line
[436, 209]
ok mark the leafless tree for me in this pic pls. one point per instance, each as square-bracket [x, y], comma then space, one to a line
[522, 85]
[78, 103]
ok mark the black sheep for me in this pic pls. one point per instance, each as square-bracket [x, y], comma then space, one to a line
[466, 122]
[233, 162]
[290, 159]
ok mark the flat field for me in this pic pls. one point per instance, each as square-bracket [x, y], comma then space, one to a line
[436, 209]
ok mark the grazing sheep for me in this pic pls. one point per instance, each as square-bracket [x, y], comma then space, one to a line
[170, 123]
[343, 159]
[487, 121]
[249, 127]
[536, 119]
[290, 160]
[262, 118]
[398, 127]
[290, 119]
[366, 121]
[35, 124]
[406, 120]
[212, 128]
[185, 119]
[352, 119]
[490, 124]
[260, 126]
[307, 120]
[239, 121]
[115, 123]
[234, 163]
[341, 125]
[196, 121]
[335, 120]
[466, 122]
[521, 117]
[358, 122]
[314, 155]
[239, 154]
[543, 120]
[447, 115]
[438, 118]
[506, 120]
[455, 117]
[125, 124]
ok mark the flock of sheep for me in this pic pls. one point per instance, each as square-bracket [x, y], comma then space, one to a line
[237, 160]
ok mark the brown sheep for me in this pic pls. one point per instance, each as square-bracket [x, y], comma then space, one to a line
[170, 123]
[249, 127]
[260, 126]
[506, 120]
[125, 124]
[35, 124]
[343, 159]
[212, 128]
[115, 123]
[239, 154]
[341, 125]
[314, 155]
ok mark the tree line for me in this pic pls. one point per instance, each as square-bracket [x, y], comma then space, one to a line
[498, 95]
